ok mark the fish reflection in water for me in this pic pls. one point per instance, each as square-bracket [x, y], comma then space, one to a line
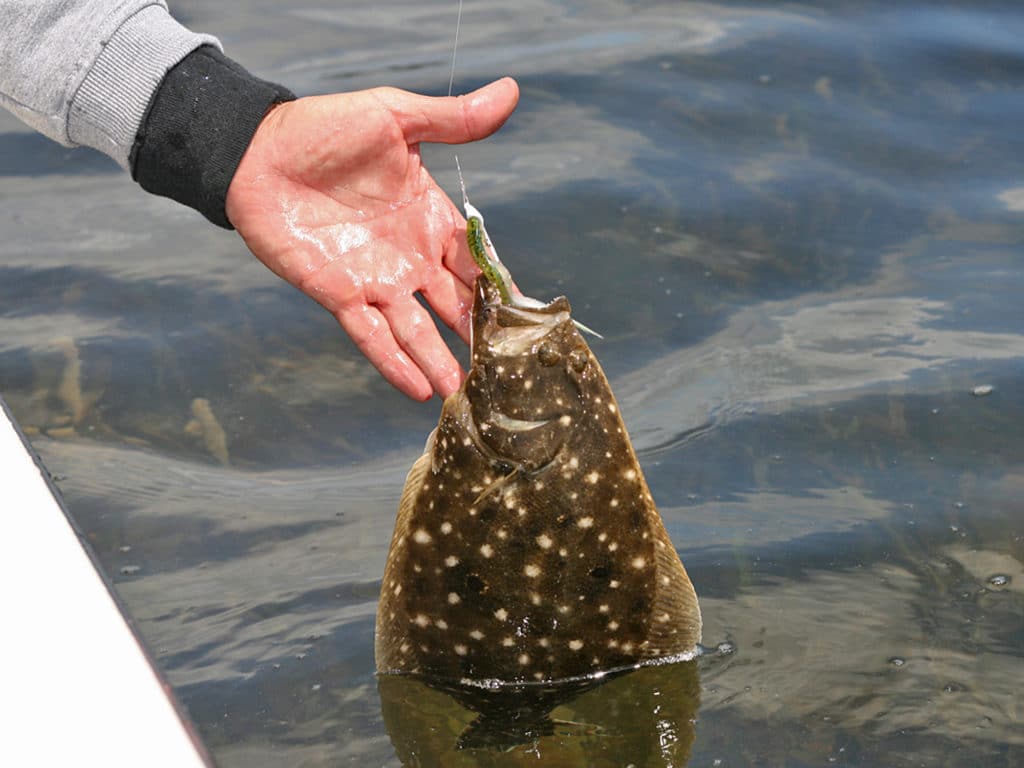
[644, 717]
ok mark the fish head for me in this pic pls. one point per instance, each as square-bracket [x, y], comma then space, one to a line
[528, 380]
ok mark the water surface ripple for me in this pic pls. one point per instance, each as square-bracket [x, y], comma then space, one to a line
[800, 229]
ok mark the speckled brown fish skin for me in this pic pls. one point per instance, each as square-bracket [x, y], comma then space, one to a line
[528, 547]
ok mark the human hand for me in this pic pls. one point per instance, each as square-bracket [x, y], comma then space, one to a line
[332, 196]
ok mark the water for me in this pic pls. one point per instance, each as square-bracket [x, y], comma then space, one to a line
[799, 228]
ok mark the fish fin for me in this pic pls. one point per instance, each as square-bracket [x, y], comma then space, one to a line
[428, 450]
[681, 633]
[391, 616]
[413, 485]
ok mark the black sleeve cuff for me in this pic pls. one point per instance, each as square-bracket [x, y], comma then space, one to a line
[197, 127]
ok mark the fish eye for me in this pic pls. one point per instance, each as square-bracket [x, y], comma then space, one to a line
[548, 355]
[578, 359]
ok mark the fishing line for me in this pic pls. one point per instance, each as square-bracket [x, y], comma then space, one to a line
[455, 49]
[451, 82]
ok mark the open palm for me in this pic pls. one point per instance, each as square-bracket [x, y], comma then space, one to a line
[332, 196]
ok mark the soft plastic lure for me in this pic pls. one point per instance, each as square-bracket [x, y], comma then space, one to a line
[485, 256]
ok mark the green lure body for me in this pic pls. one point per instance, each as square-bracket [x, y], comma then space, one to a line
[477, 246]
[485, 256]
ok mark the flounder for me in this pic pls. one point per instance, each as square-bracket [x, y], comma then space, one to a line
[528, 547]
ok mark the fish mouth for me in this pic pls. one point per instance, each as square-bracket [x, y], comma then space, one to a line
[509, 330]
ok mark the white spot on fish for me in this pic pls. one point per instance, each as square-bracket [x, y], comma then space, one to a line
[441, 624]
[453, 598]
[531, 570]
[508, 642]
[451, 561]
[538, 486]
[585, 522]
[535, 598]
[613, 546]
[422, 537]
[574, 462]
[575, 645]
[638, 563]
[398, 590]
[421, 620]
[543, 642]
[501, 614]
[476, 634]
[524, 659]
[593, 477]
[612, 408]
[544, 541]
[565, 421]
[486, 550]
[603, 608]
[614, 583]
[629, 474]
[613, 503]
[602, 536]
[461, 650]
[446, 527]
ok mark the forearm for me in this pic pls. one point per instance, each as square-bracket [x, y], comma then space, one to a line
[84, 73]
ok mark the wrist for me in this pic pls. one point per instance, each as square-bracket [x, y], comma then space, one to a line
[198, 127]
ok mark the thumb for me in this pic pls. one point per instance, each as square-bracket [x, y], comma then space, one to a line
[453, 119]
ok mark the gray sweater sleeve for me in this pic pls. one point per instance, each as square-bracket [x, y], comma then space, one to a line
[84, 72]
